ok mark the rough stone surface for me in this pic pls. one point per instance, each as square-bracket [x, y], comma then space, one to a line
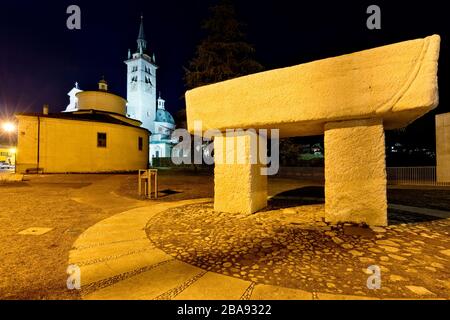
[421, 291]
[298, 250]
[355, 174]
[396, 82]
[443, 147]
[239, 186]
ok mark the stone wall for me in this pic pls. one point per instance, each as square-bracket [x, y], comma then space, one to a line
[443, 147]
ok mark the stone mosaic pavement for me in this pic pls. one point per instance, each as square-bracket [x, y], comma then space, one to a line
[295, 248]
[183, 250]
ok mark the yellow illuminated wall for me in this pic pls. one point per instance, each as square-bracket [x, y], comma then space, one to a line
[71, 146]
[443, 147]
[103, 101]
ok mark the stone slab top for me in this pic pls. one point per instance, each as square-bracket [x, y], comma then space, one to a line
[397, 83]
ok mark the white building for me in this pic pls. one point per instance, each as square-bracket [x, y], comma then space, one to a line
[73, 104]
[164, 124]
[143, 103]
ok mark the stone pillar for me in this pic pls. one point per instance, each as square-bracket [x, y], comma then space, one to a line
[239, 186]
[443, 147]
[355, 172]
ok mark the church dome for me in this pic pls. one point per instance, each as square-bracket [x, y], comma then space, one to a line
[164, 116]
[101, 101]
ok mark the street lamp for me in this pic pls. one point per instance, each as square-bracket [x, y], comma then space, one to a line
[8, 127]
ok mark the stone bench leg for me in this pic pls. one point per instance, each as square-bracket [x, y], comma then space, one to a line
[355, 172]
[239, 186]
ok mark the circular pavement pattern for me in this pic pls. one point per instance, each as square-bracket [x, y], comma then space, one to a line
[295, 248]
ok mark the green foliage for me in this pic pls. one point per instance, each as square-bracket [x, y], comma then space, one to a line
[294, 152]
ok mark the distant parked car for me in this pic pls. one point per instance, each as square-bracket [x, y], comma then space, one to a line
[6, 166]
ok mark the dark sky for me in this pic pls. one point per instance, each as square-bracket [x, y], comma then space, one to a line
[40, 59]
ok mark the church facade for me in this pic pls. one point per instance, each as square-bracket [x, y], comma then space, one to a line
[143, 102]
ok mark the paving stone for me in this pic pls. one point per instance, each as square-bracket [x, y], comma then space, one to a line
[337, 240]
[389, 249]
[107, 269]
[378, 229]
[396, 257]
[437, 265]
[421, 291]
[396, 278]
[213, 286]
[270, 292]
[328, 296]
[367, 260]
[148, 285]
[355, 253]
[388, 243]
[107, 251]
[35, 231]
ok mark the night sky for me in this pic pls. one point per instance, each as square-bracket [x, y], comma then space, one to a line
[40, 59]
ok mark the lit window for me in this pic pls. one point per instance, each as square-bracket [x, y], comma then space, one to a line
[101, 139]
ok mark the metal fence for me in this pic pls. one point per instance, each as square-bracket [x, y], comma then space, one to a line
[423, 176]
[418, 176]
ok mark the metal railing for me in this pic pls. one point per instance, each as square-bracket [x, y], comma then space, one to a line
[423, 176]
[414, 176]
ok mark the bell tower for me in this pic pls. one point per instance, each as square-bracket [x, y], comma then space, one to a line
[141, 83]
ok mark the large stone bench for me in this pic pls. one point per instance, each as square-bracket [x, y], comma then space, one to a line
[352, 99]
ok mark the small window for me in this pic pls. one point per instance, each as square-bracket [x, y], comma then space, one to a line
[140, 143]
[101, 139]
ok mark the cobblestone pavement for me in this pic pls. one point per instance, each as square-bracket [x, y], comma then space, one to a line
[295, 248]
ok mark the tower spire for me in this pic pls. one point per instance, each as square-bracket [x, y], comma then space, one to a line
[142, 43]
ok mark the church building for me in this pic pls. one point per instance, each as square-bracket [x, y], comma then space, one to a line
[100, 131]
[143, 103]
[94, 134]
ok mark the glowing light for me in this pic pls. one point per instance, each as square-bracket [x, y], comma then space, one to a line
[13, 150]
[8, 127]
